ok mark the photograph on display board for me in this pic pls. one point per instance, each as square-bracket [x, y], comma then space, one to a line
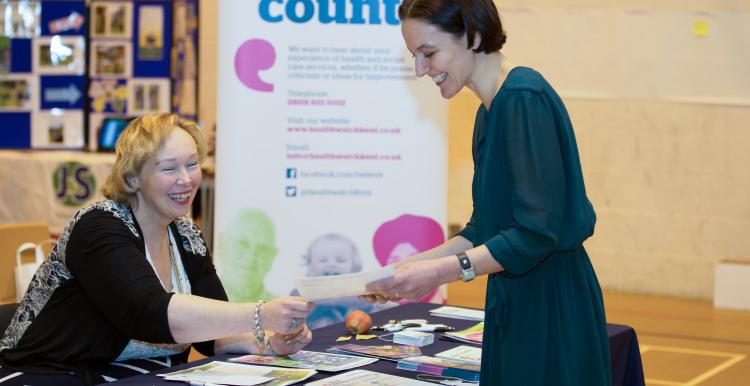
[184, 58]
[151, 33]
[5, 58]
[59, 55]
[17, 92]
[20, 19]
[110, 59]
[111, 19]
[148, 96]
[57, 130]
[108, 95]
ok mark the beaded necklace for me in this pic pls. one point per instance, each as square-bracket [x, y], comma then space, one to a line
[173, 267]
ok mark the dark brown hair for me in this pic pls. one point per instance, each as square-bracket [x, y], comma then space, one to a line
[459, 17]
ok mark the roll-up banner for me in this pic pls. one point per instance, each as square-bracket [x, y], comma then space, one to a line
[330, 154]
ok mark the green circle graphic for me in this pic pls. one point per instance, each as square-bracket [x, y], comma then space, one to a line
[74, 183]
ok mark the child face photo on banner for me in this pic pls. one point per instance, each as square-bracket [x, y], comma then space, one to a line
[111, 19]
[58, 55]
[110, 59]
[150, 33]
[17, 92]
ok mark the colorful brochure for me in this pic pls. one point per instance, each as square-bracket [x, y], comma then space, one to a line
[462, 354]
[225, 373]
[388, 352]
[309, 360]
[472, 334]
[437, 366]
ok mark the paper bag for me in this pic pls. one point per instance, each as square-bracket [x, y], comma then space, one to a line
[25, 272]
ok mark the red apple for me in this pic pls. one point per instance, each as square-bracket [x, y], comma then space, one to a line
[358, 322]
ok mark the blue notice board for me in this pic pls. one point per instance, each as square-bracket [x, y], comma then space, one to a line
[63, 17]
[64, 92]
[152, 45]
[14, 131]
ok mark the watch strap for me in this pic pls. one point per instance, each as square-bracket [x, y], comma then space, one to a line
[467, 269]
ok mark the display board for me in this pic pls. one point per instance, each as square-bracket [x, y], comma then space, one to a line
[42, 74]
[129, 60]
[331, 154]
[61, 76]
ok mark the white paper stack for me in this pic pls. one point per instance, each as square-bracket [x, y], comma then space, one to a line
[413, 338]
[458, 313]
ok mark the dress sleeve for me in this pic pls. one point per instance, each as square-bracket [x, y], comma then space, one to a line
[538, 183]
[470, 231]
[108, 262]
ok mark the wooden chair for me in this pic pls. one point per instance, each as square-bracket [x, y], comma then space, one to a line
[11, 237]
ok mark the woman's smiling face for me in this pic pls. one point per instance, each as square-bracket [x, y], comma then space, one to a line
[439, 55]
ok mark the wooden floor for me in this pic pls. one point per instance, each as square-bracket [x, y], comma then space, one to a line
[683, 342]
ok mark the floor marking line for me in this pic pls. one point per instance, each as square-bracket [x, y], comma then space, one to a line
[710, 373]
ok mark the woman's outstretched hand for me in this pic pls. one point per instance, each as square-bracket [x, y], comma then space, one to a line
[413, 280]
[285, 315]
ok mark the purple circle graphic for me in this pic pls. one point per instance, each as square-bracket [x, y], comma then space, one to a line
[253, 56]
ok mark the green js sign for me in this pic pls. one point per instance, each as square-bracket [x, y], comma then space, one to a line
[74, 183]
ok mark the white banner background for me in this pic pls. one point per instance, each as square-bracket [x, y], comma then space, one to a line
[321, 128]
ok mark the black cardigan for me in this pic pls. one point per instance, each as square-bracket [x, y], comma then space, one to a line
[97, 291]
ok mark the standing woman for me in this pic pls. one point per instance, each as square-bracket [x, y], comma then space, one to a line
[544, 314]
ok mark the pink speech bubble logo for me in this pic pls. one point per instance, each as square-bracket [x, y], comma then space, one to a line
[253, 56]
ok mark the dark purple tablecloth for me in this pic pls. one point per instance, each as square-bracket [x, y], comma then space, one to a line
[627, 369]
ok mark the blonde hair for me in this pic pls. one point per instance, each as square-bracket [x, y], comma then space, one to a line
[137, 143]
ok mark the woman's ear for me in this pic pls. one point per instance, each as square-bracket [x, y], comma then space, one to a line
[477, 41]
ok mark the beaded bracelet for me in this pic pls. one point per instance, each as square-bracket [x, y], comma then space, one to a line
[260, 334]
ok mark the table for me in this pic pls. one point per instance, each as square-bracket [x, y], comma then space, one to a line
[627, 369]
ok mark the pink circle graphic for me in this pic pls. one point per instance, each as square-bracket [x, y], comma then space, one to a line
[252, 57]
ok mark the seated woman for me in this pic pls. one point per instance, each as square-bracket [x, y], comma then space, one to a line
[131, 277]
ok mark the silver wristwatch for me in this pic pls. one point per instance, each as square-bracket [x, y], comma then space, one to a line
[467, 269]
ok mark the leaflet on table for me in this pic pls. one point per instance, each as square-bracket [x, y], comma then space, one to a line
[368, 378]
[437, 366]
[462, 354]
[387, 352]
[458, 313]
[309, 360]
[225, 373]
[337, 286]
[472, 334]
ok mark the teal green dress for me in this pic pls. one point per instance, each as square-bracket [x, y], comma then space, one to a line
[544, 315]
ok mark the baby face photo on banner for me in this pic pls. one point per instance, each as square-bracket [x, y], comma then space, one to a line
[148, 96]
[110, 59]
[111, 19]
[17, 92]
[150, 33]
[58, 55]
